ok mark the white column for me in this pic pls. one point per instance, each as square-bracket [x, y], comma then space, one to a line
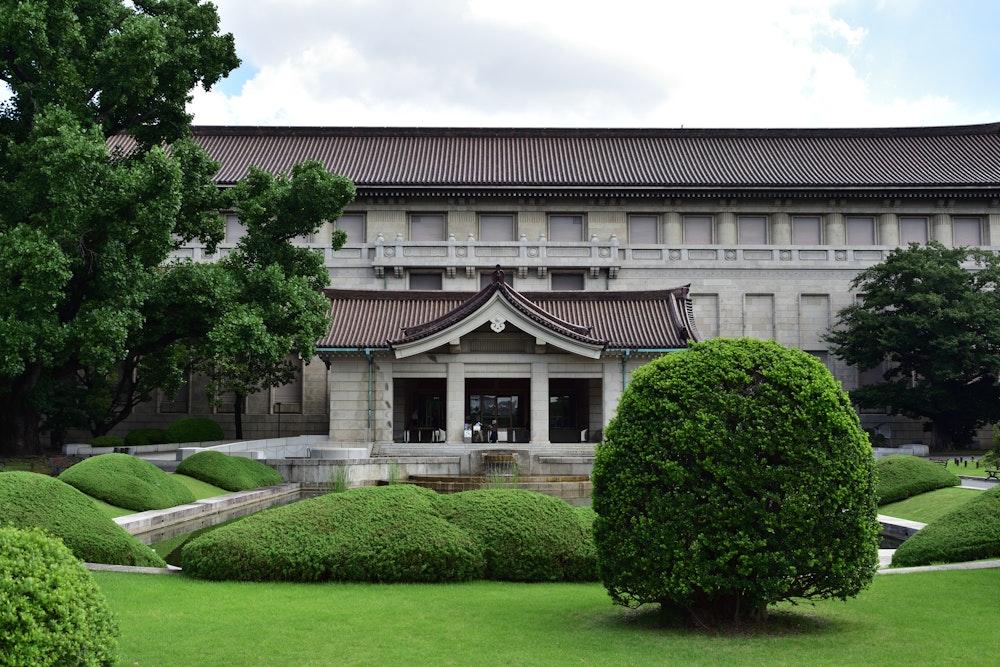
[612, 386]
[539, 403]
[888, 230]
[941, 224]
[836, 233]
[727, 233]
[455, 402]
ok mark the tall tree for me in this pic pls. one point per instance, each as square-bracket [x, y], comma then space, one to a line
[929, 315]
[277, 307]
[85, 297]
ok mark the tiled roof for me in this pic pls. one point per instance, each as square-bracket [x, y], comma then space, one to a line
[644, 161]
[636, 320]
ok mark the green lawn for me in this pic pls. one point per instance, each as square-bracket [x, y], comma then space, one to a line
[904, 619]
[929, 506]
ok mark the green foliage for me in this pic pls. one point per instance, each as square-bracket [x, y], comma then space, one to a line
[583, 566]
[127, 481]
[29, 500]
[734, 475]
[51, 611]
[970, 532]
[142, 437]
[107, 441]
[525, 536]
[901, 476]
[232, 473]
[85, 229]
[377, 534]
[194, 429]
[937, 325]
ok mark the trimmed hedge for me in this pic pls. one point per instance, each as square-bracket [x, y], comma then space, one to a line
[232, 473]
[970, 532]
[107, 441]
[30, 500]
[524, 536]
[372, 534]
[51, 611]
[126, 481]
[142, 437]
[901, 476]
[194, 429]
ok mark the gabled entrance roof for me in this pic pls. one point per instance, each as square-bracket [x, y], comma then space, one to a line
[580, 322]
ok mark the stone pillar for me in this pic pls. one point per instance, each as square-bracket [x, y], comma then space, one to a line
[993, 230]
[888, 230]
[611, 387]
[673, 228]
[781, 229]
[455, 402]
[727, 229]
[836, 232]
[539, 403]
[941, 229]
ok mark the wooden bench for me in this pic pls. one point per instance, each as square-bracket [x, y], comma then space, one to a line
[939, 461]
[991, 473]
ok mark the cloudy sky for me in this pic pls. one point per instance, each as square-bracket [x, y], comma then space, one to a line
[608, 63]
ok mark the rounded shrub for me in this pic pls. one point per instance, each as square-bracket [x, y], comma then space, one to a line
[970, 532]
[30, 500]
[524, 535]
[51, 611]
[127, 481]
[232, 473]
[107, 441]
[901, 476]
[142, 437]
[390, 533]
[734, 475]
[194, 429]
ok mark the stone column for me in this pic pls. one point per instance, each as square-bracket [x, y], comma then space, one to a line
[836, 232]
[611, 387]
[888, 230]
[727, 229]
[993, 230]
[941, 229]
[539, 403]
[455, 402]
[673, 228]
[781, 229]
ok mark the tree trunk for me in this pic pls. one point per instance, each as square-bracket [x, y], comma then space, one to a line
[238, 415]
[19, 430]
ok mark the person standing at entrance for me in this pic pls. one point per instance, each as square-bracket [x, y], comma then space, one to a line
[493, 432]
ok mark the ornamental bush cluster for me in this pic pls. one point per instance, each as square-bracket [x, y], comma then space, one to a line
[401, 533]
[51, 611]
[30, 500]
[128, 482]
[902, 476]
[970, 532]
[142, 437]
[734, 475]
[232, 473]
[194, 429]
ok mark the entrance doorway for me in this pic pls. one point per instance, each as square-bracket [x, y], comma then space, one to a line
[503, 403]
[424, 409]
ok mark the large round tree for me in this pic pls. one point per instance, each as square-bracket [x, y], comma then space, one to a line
[735, 475]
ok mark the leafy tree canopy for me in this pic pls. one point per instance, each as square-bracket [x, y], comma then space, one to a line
[929, 315]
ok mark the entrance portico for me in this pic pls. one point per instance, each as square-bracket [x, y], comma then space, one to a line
[425, 367]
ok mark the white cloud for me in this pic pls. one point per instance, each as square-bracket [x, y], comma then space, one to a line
[635, 63]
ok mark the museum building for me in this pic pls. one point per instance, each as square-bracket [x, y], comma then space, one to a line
[519, 276]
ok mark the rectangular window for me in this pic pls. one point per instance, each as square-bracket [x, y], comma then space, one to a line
[807, 230]
[496, 228]
[425, 281]
[912, 230]
[967, 231]
[566, 228]
[234, 229]
[425, 227]
[860, 231]
[227, 403]
[287, 399]
[752, 229]
[697, 229]
[354, 225]
[643, 229]
[567, 282]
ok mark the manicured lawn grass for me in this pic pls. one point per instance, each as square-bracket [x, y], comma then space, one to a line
[929, 506]
[904, 619]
